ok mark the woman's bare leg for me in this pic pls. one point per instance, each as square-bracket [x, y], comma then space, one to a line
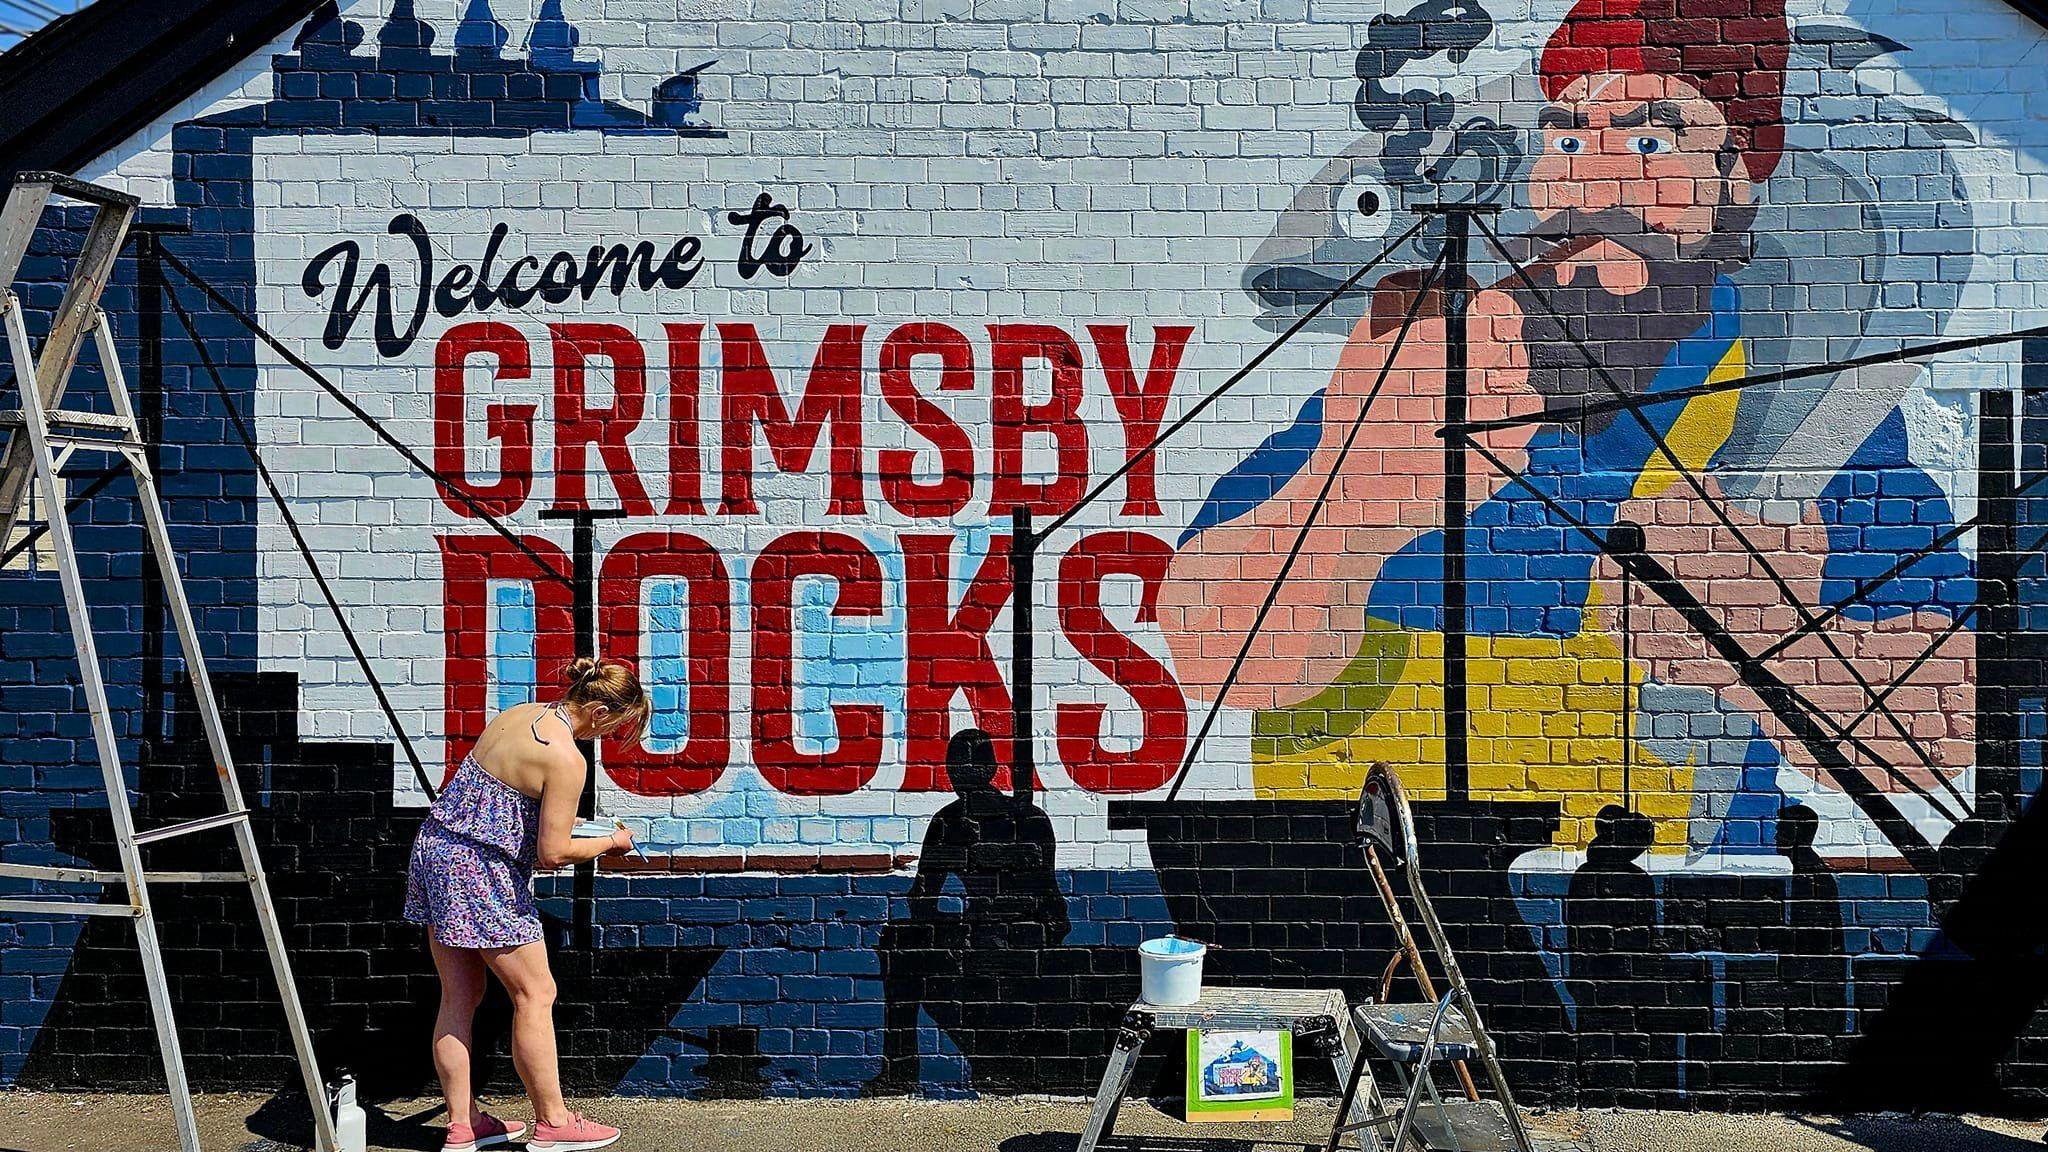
[524, 973]
[462, 989]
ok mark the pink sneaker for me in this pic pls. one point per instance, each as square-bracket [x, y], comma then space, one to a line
[487, 1132]
[579, 1133]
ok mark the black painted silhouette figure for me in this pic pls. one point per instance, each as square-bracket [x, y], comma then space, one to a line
[1611, 906]
[1798, 827]
[1610, 922]
[973, 970]
[1813, 967]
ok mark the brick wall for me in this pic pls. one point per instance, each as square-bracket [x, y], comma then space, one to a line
[791, 307]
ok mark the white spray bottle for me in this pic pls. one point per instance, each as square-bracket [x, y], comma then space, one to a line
[351, 1126]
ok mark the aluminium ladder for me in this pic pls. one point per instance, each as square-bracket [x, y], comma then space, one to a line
[1416, 1037]
[41, 438]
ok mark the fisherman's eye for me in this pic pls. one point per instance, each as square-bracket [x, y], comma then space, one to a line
[1648, 145]
[1570, 145]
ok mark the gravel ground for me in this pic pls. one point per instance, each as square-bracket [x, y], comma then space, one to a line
[46, 1122]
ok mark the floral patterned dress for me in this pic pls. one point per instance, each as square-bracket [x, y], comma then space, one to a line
[471, 877]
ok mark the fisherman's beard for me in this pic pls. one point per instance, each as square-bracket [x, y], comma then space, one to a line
[1568, 328]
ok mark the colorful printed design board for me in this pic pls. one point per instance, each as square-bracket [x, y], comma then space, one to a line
[1236, 1075]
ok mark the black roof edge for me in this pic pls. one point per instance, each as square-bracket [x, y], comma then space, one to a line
[89, 80]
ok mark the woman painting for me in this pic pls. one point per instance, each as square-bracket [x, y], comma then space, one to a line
[510, 808]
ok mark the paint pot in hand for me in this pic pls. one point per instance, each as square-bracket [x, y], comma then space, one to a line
[1170, 971]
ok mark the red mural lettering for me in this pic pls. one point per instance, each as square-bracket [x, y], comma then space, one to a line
[707, 748]
[685, 456]
[578, 425]
[468, 565]
[955, 486]
[1078, 726]
[949, 653]
[786, 768]
[1013, 346]
[511, 425]
[1140, 404]
[831, 405]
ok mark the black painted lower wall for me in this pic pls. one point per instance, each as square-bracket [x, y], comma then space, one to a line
[1743, 993]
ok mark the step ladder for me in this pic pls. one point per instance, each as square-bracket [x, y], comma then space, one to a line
[1315, 1015]
[1418, 1038]
[41, 438]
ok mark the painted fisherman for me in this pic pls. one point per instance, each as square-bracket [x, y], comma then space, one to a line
[1660, 124]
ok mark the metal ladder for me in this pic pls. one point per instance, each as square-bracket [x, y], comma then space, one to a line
[1416, 1037]
[41, 438]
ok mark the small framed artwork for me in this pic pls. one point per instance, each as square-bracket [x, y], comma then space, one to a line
[1236, 1075]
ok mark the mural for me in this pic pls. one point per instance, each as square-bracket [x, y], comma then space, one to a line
[1639, 208]
[736, 355]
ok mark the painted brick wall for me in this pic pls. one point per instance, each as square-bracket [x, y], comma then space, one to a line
[789, 306]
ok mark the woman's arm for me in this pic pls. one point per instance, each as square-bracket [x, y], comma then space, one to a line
[562, 789]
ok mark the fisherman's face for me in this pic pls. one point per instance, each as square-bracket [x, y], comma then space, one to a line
[1643, 167]
[1646, 163]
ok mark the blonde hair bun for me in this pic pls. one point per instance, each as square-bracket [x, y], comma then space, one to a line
[613, 685]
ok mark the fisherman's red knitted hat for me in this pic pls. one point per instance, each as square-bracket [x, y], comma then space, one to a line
[1733, 51]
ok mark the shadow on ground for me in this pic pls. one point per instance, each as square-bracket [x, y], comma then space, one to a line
[282, 1122]
[1069, 1141]
[1918, 1134]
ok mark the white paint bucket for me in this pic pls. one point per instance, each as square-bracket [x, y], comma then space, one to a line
[1170, 970]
